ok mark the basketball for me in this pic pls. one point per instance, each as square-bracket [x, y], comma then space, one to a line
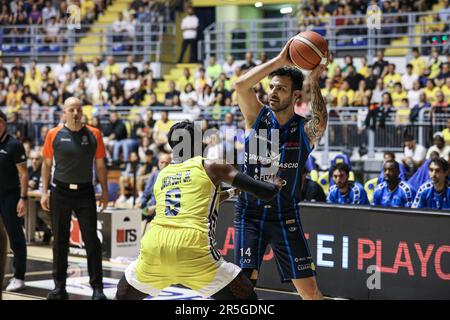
[308, 50]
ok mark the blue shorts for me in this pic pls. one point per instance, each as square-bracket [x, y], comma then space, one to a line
[253, 232]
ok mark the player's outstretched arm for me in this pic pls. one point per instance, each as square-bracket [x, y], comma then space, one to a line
[315, 127]
[219, 172]
[248, 103]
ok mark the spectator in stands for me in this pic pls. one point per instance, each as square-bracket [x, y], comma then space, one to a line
[353, 78]
[206, 97]
[423, 103]
[144, 145]
[345, 191]
[393, 192]
[202, 80]
[398, 95]
[95, 81]
[380, 64]
[444, 13]
[348, 61]
[115, 132]
[434, 194]
[48, 12]
[414, 94]
[446, 133]
[229, 67]
[228, 134]
[371, 78]
[188, 93]
[131, 89]
[430, 91]
[214, 69]
[311, 190]
[52, 31]
[153, 101]
[147, 167]
[391, 78]
[189, 26]
[418, 62]
[337, 79]
[185, 79]
[80, 65]
[443, 74]
[120, 29]
[345, 91]
[61, 69]
[192, 110]
[110, 68]
[329, 93]
[130, 67]
[332, 65]
[439, 146]
[147, 201]
[18, 66]
[172, 91]
[434, 63]
[438, 107]
[35, 16]
[249, 63]
[126, 182]
[409, 77]
[414, 154]
[115, 99]
[214, 150]
[262, 58]
[160, 131]
[360, 94]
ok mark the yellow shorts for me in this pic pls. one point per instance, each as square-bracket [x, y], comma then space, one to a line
[183, 256]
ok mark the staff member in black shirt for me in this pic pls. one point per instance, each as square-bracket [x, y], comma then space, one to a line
[72, 149]
[3, 241]
[311, 190]
[13, 200]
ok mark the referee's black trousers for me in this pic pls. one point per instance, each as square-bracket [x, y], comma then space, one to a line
[82, 202]
[14, 228]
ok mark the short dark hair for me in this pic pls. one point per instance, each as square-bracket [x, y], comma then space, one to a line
[295, 74]
[441, 162]
[408, 137]
[409, 65]
[395, 163]
[149, 152]
[390, 153]
[341, 166]
[190, 128]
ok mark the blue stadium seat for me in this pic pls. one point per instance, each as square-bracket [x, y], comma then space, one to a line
[113, 191]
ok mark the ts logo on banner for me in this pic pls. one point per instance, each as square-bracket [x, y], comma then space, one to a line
[126, 235]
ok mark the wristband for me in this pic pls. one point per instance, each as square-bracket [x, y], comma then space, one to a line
[24, 197]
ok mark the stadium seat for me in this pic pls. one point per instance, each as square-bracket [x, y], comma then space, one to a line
[113, 191]
[370, 188]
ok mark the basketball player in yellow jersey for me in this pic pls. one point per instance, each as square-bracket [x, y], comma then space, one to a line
[180, 246]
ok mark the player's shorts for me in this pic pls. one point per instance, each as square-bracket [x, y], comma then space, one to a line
[171, 256]
[253, 232]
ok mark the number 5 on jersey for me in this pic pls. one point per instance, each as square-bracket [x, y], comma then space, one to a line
[173, 198]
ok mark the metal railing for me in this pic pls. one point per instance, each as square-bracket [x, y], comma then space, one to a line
[347, 127]
[148, 40]
[269, 35]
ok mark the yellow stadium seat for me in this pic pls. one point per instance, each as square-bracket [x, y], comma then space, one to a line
[370, 188]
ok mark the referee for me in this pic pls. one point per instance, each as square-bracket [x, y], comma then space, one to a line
[13, 200]
[71, 149]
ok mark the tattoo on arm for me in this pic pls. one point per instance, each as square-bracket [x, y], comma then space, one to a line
[315, 127]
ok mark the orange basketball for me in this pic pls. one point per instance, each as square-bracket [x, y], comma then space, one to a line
[308, 49]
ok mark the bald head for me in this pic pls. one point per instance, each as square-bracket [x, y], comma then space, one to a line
[71, 101]
[73, 113]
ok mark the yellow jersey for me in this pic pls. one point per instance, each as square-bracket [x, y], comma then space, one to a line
[186, 197]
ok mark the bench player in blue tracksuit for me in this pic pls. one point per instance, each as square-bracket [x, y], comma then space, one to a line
[345, 191]
[258, 223]
[435, 194]
[393, 192]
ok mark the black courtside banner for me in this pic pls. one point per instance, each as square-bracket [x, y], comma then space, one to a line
[365, 252]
